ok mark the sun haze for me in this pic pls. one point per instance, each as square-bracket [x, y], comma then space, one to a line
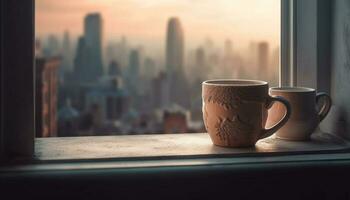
[144, 22]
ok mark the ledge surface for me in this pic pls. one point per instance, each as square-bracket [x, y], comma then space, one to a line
[194, 145]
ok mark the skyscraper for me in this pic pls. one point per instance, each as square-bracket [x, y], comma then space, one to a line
[82, 64]
[133, 73]
[201, 68]
[122, 49]
[66, 52]
[160, 91]
[174, 47]
[200, 57]
[93, 38]
[134, 64]
[178, 87]
[149, 68]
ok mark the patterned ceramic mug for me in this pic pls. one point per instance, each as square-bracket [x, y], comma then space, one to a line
[235, 111]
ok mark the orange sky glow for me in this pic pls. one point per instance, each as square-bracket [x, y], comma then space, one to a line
[144, 21]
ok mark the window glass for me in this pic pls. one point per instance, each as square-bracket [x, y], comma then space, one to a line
[136, 67]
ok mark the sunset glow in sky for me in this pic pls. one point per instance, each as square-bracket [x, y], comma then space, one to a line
[144, 21]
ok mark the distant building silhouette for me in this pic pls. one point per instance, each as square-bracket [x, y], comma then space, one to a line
[133, 73]
[174, 47]
[201, 66]
[46, 96]
[122, 49]
[67, 59]
[160, 91]
[82, 66]
[200, 57]
[263, 60]
[114, 69]
[178, 87]
[88, 64]
[149, 68]
[93, 41]
[134, 64]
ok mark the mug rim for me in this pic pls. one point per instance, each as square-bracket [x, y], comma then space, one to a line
[292, 89]
[230, 82]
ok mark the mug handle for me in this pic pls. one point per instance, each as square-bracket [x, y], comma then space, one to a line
[322, 113]
[274, 128]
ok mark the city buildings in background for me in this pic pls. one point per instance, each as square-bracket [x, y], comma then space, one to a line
[119, 88]
[46, 74]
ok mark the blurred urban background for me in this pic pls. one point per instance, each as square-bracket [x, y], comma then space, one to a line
[135, 67]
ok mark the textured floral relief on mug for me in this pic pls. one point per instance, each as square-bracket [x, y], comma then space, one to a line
[230, 100]
[225, 126]
[223, 97]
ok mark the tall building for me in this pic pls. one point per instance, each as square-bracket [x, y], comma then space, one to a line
[178, 87]
[201, 68]
[160, 91]
[200, 57]
[46, 96]
[67, 59]
[174, 46]
[110, 52]
[263, 60]
[122, 52]
[82, 65]
[149, 68]
[134, 72]
[134, 63]
[93, 38]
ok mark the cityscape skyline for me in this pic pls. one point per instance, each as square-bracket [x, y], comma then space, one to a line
[103, 87]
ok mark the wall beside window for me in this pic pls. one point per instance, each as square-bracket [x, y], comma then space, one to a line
[340, 64]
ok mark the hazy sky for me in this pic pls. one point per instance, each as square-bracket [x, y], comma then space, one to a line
[144, 21]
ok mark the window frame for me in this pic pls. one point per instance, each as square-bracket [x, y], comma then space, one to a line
[17, 100]
[306, 43]
[17, 88]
